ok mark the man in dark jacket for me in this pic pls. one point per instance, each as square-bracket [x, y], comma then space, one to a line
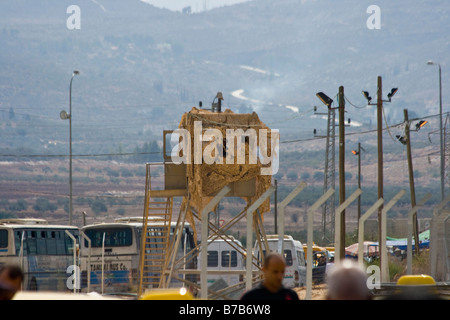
[272, 286]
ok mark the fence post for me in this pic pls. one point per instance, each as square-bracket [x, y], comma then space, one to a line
[337, 228]
[75, 278]
[88, 267]
[362, 219]
[204, 241]
[382, 242]
[410, 231]
[249, 257]
[281, 208]
[309, 253]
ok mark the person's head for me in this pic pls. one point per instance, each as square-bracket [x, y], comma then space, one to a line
[273, 269]
[11, 278]
[347, 281]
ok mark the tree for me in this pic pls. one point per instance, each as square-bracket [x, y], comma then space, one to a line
[43, 205]
[292, 175]
[305, 175]
[20, 205]
[98, 206]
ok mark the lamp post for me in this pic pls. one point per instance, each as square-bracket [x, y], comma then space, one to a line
[328, 101]
[379, 105]
[440, 128]
[64, 116]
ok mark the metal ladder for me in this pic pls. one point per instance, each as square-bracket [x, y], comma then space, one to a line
[155, 237]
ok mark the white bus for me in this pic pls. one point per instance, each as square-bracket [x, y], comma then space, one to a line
[225, 255]
[43, 251]
[116, 268]
[295, 274]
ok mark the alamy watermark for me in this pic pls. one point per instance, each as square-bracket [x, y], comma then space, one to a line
[233, 149]
[73, 22]
[374, 20]
[74, 280]
[374, 278]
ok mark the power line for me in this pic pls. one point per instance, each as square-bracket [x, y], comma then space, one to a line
[78, 155]
[362, 132]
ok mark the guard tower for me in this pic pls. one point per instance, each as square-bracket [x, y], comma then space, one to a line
[214, 151]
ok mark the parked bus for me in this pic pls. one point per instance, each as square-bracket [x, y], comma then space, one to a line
[295, 273]
[43, 251]
[115, 251]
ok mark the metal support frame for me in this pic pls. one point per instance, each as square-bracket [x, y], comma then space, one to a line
[330, 171]
[309, 253]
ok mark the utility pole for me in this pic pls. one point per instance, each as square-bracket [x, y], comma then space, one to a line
[380, 154]
[359, 179]
[358, 153]
[379, 105]
[411, 180]
[342, 166]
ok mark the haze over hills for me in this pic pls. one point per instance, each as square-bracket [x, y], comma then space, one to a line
[142, 67]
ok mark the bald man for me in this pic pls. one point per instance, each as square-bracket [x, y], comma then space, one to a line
[272, 286]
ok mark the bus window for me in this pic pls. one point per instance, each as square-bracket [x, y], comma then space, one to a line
[41, 245]
[51, 242]
[114, 237]
[3, 239]
[226, 259]
[31, 242]
[60, 247]
[213, 258]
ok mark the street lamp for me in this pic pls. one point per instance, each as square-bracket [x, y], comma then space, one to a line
[440, 127]
[64, 116]
[379, 105]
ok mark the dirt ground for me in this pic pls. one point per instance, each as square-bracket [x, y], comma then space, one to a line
[318, 292]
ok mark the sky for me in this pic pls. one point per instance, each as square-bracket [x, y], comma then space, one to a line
[196, 5]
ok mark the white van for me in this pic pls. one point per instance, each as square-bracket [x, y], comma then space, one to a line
[225, 255]
[295, 274]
